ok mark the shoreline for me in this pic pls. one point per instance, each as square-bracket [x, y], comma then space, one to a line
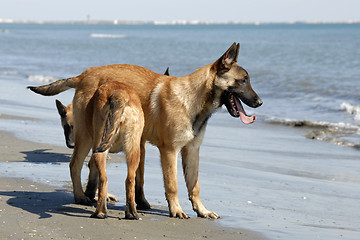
[170, 22]
[37, 210]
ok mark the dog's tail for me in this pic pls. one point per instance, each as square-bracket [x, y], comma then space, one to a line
[57, 86]
[114, 117]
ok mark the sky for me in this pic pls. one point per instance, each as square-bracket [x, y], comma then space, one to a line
[190, 10]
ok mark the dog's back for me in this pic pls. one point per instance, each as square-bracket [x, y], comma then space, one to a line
[67, 119]
[118, 118]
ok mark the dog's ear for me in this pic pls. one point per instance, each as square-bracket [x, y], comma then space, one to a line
[167, 72]
[61, 108]
[237, 51]
[228, 58]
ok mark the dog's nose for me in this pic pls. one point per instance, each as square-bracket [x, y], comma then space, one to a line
[259, 102]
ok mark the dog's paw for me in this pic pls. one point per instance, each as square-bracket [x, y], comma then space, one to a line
[212, 215]
[111, 198]
[143, 205]
[84, 200]
[99, 215]
[179, 214]
[208, 214]
[131, 216]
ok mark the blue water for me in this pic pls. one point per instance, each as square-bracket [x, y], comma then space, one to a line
[302, 71]
[279, 180]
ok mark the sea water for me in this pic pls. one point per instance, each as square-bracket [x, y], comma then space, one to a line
[307, 74]
[293, 174]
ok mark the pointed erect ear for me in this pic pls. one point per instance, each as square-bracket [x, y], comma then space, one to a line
[167, 72]
[61, 108]
[237, 51]
[229, 57]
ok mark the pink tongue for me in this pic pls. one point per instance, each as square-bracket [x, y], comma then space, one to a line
[244, 118]
[247, 119]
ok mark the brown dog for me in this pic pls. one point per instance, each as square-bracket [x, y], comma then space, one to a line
[116, 124]
[176, 111]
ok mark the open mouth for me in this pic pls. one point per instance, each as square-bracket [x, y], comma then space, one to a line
[235, 108]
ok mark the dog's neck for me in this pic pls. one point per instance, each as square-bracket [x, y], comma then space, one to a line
[204, 97]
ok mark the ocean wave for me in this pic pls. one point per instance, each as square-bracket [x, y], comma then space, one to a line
[8, 73]
[311, 124]
[341, 134]
[352, 109]
[102, 35]
[41, 78]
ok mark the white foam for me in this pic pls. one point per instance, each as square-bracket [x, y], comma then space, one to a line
[102, 35]
[294, 122]
[338, 133]
[41, 78]
[352, 109]
[8, 73]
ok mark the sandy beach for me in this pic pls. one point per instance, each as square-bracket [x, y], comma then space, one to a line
[30, 210]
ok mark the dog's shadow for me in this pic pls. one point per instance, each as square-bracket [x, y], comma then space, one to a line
[46, 204]
[46, 156]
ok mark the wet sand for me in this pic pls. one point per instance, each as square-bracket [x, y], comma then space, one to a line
[30, 210]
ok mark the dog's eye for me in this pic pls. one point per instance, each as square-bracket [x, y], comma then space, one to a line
[241, 80]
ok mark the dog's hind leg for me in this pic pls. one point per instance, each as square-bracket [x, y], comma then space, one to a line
[141, 202]
[169, 168]
[81, 150]
[190, 162]
[132, 158]
[92, 184]
[99, 159]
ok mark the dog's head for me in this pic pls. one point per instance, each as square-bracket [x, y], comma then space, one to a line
[234, 83]
[67, 122]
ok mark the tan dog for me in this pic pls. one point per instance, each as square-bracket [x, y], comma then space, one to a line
[176, 111]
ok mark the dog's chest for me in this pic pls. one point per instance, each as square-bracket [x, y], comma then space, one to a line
[199, 123]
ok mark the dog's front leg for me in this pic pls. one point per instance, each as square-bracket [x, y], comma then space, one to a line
[169, 168]
[93, 179]
[190, 162]
[133, 159]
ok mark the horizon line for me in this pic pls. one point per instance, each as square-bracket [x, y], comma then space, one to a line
[171, 22]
